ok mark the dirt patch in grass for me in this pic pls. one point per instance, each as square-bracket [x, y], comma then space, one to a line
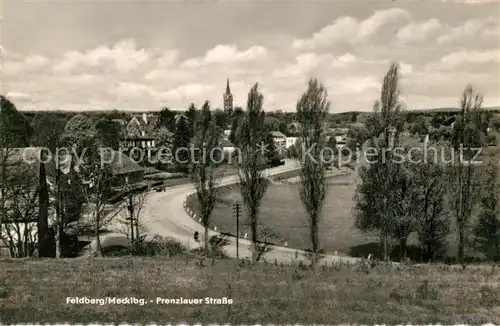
[37, 290]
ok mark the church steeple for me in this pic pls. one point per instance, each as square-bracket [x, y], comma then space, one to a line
[228, 99]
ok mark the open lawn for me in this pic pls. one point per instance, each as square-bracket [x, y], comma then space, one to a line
[282, 211]
[37, 291]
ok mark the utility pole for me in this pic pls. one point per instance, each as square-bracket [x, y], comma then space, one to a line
[58, 211]
[130, 208]
[237, 211]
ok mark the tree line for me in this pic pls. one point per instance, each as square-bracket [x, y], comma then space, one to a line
[432, 199]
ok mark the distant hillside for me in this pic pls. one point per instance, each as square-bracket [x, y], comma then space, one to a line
[491, 108]
[432, 110]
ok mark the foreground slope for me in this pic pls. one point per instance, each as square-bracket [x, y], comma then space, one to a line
[38, 290]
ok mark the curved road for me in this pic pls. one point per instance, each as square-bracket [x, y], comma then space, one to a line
[163, 214]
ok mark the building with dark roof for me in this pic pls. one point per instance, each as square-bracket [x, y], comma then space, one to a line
[124, 169]
[140, 132]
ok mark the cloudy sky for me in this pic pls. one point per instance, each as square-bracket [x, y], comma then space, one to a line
[145, 55]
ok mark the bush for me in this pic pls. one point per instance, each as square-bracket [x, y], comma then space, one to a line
[491, 140]
[217, 244]
[160, 246]
[164, 176]
[157, 246]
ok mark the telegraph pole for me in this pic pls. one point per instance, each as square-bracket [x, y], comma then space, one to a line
[237, 211]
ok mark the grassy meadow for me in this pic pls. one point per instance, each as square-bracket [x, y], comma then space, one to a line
[36, 290]
[282, 211]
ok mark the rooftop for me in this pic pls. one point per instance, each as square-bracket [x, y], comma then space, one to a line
[277, 134]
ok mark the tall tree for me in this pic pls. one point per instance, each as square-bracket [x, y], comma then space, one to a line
[375, 196]
[15, 131]
[191, 114]
[97, 176]
[48, 129]
[273, 154]
[132, 217]
[403, 203]
[420, 126]
[109, 133]
[463, 175]
[312, 109]
[205, 169]
[432, 222]
[253, 183]
[167, 119]
[237, 118]
[20, 233]
[77, 132]
[487, 230]
[282, 127]
[221, 119]
[181, 141]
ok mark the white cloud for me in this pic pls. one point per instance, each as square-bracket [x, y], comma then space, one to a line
[17, 96]
[486, 27]
[173, 74]
[464, 57]
[81, 80]
[168, 58]
[28, 65]
[123, 76]
[344, 61]
[419, 32]
[303, 65]
[223, 53]
[132, 90]
[310, 63]
[353, 85]
[185, 92]
[471, 2]
[405, 69]
[348, 29]
[123, 55]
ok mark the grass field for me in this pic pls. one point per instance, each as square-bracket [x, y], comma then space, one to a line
[282, 211]
[37, 290]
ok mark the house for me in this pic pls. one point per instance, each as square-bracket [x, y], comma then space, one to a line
[291, 141]
[124, 170]
[279, 139]
[140, 132]
[294, 128]
[178, 116]
[120, 122]
[227, 146]
[227, 133]
[340, 136]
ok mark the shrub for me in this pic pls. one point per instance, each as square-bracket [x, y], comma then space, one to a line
[157, 246]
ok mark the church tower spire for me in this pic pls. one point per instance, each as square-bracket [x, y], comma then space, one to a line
[228, 99]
